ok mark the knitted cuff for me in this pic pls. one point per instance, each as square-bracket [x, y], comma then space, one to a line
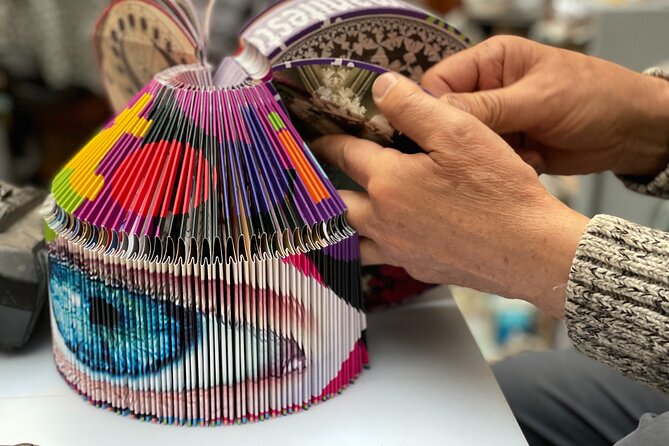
[657, 186]
[617, 308]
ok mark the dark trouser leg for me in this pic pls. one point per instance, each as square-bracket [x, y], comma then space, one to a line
[566, 398]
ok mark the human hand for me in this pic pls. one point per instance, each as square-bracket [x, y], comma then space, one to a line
[466, 212]
[564, 112]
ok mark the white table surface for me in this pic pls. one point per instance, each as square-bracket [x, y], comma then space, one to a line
[428, 385]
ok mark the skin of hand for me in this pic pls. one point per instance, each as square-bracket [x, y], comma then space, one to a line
[564, 112]
[469, 211]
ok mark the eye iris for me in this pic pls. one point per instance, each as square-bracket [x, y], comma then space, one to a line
[99, 309]
[131, 336]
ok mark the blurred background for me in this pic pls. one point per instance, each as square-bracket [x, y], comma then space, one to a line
[51, 102]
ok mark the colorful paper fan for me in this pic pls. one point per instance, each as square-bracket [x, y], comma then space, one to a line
[202, 271]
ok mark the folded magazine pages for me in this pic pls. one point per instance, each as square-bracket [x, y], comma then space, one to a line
[201, 267]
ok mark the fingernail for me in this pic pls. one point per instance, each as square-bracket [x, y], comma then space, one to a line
[457, 103]
[383, 84]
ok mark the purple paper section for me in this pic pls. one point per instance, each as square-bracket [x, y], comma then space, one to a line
[332, 206]
[265, 106]
[272, 179]
[348, 249]
[192, 106]
[327, 208]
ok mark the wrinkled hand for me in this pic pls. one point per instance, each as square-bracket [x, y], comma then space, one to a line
[564, 112]
[467, 212]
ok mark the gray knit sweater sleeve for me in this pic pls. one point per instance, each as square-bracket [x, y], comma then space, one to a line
[656, 186]
[617, 308]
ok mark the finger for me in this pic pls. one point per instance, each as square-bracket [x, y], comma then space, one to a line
[567, 162]
[415, 113]
[456, 73]
[351, 155]
[359, 212]
[534, 159]
[515, 140]
[371, 254]
[504, 110]
[481, 67]
[529, 150]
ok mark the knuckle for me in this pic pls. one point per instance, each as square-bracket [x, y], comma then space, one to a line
[440, 139]
[387, 157]
[345, 155]
[459, 121]
[380, 188]
[494, 44]
[439, 129]
[409, 100]
[381, 185]
[491, 108]
[445, 134]
[502, 41]
[431, 74]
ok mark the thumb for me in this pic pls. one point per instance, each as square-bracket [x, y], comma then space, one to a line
[417, 114]
[504, 110]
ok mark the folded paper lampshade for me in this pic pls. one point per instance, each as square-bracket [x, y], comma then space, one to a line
[201, 267]
[202, 270]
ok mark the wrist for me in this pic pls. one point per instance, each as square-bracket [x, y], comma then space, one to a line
[647, 151]
[659, 113]
[547, 255]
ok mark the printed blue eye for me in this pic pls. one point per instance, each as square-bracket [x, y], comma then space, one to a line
[114, 330]
[124, 333]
